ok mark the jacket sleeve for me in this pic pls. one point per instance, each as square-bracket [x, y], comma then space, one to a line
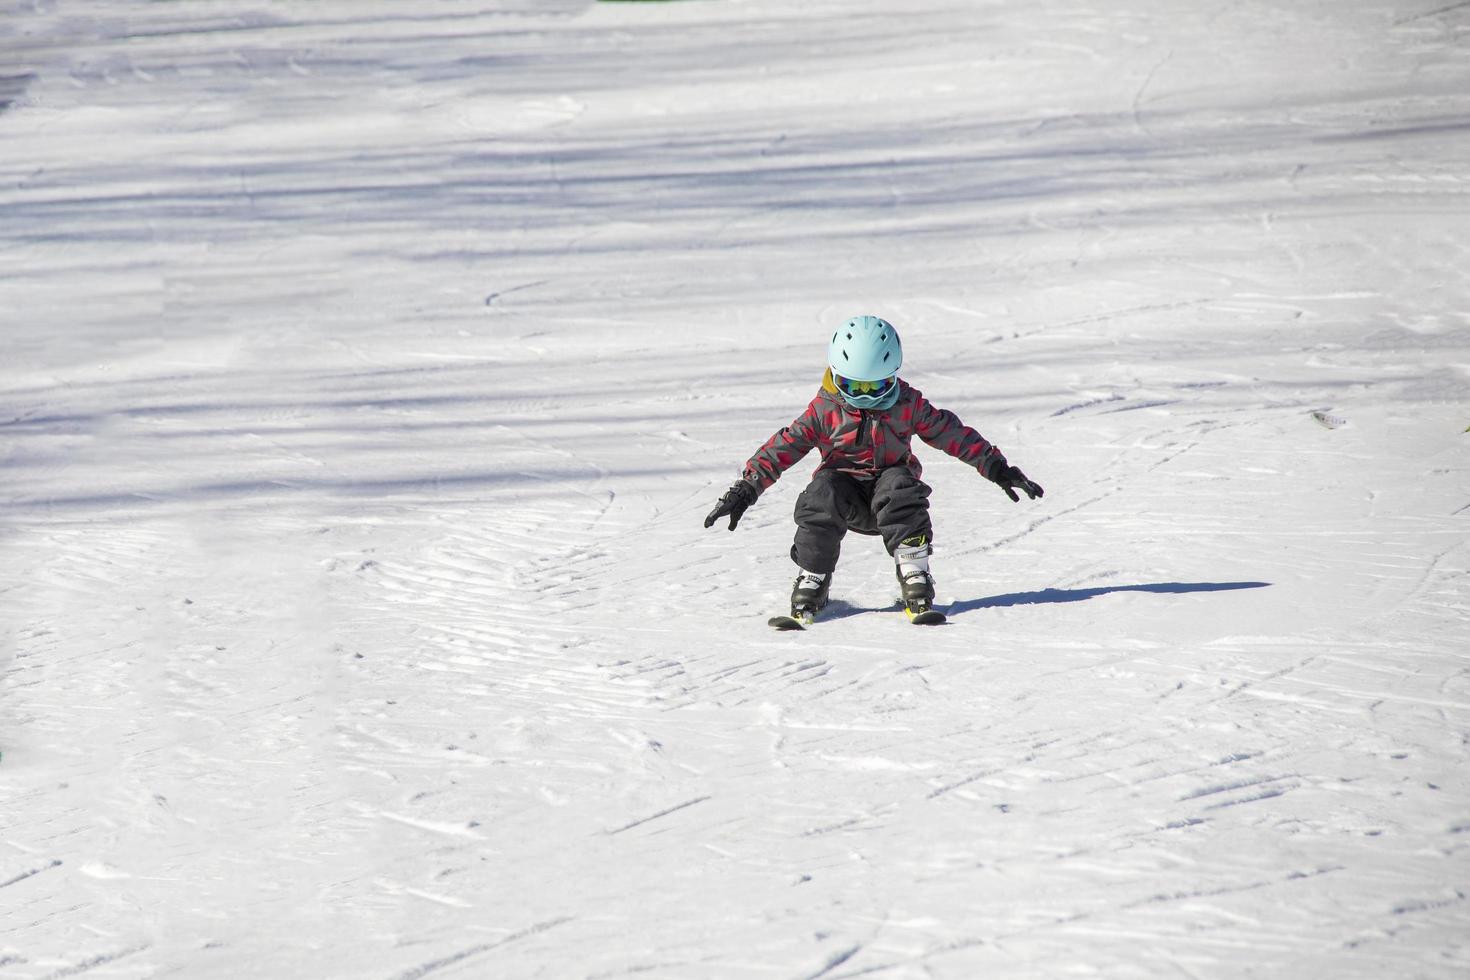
[943, 430]
[784, 449]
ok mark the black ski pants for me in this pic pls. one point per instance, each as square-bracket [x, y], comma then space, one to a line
[894, 505]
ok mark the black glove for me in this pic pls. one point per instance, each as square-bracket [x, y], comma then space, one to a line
[740, 496]
[1010, 479]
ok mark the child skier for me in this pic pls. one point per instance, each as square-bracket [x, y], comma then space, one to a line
[862, 421]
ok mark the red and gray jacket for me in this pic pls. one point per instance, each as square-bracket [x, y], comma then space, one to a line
[863, 442]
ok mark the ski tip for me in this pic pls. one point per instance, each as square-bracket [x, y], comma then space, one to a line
[928, 617]
[784, 623]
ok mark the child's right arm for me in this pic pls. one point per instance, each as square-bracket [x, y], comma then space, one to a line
[783, 450]
[780, 453]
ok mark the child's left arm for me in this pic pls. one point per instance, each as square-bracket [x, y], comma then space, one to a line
[943, 430]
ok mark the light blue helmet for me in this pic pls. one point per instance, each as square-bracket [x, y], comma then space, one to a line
[865, 355]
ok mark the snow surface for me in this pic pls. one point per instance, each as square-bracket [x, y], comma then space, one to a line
[368, 370]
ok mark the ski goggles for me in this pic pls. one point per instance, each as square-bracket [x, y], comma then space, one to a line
[865, 389]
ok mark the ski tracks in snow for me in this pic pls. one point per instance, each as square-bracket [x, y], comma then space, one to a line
[367, 626]
[974, 758]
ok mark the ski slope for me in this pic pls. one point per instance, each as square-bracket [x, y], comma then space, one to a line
[367, 370]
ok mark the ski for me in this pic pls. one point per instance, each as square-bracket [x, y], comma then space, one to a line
[794, 622]
[801, 620]
[925, 617]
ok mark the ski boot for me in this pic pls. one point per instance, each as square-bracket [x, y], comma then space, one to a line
[915, 584]
[915, 589]
[809, 595]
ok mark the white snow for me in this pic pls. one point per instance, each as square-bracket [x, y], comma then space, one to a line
[367, 370]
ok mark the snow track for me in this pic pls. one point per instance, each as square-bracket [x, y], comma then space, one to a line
[362, 398]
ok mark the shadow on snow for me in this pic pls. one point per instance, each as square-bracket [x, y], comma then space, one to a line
[842, 609]
[1080, 595]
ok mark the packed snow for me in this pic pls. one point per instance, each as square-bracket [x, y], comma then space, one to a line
[367, 370]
